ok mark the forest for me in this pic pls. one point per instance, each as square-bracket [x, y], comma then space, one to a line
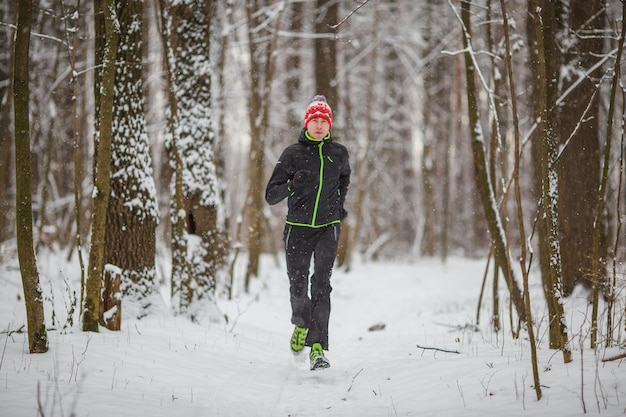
[134, 132]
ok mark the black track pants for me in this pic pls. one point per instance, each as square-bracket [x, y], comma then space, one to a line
[311, 311]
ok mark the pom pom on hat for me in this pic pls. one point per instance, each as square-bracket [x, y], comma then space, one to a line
[318, 108]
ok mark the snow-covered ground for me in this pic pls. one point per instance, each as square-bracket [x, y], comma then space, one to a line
[166, 366]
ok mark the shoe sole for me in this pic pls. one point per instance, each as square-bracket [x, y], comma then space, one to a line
[320, 363]
[299, 348]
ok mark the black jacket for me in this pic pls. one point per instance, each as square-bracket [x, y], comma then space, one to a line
[319, 202]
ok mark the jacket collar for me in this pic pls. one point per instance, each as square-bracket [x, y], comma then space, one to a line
[305, 139]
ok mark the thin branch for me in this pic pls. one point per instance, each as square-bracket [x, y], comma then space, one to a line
[353, 378]
[437, 349]
[361, 4]
[10, 332]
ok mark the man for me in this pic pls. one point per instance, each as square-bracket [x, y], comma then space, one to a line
[313, 174]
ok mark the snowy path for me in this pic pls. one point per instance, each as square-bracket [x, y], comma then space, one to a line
[373, 373]
[165, 366]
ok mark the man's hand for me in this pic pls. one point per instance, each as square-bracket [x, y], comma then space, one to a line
[300, 178]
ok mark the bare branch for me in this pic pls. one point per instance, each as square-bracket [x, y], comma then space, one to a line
[360, 4]
[437, 349]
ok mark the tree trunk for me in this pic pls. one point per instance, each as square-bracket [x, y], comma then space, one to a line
[6, 147]
[598, 249]
[106, 38]
[180, 262]
[189, 35]
[553, 282]
[524, 262]
[292, 83]
[363, 163]
[37, 334]
[111, 299]
[497, 142]
[262, 65]
[577, 131]
[326, 51]
[433, 72]
[482, 174]
[78, 174]
[132, 213]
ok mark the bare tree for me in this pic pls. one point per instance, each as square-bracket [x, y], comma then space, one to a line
[106, 47]
[325, 47]
[437, 83]
[579, 26]
[483, 181]
[263, 18]
[364, 158]
[524, 258]
[598, 248]
[7, 200]
[544, 23]
[37, 334]
[71, 32]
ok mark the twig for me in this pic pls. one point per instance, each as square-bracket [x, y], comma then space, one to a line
[361, 4]
[437, 349]
[4, 349]
[353, 378]
[458, 386]
[10, 332]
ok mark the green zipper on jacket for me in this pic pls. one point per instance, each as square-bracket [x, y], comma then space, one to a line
[319, 190]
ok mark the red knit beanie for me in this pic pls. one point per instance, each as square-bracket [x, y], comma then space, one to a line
[318, 108]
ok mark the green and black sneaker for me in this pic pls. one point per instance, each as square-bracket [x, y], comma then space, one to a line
[318, 360]
[298, 338]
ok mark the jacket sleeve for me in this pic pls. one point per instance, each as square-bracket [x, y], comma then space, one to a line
[278, 187]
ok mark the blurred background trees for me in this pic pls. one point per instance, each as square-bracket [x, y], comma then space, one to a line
[223, 84]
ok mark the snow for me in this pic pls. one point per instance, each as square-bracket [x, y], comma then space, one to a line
[164, 365]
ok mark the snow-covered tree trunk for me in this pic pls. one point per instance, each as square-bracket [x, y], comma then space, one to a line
[132, 214]
[553, 281]
[192, 146]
